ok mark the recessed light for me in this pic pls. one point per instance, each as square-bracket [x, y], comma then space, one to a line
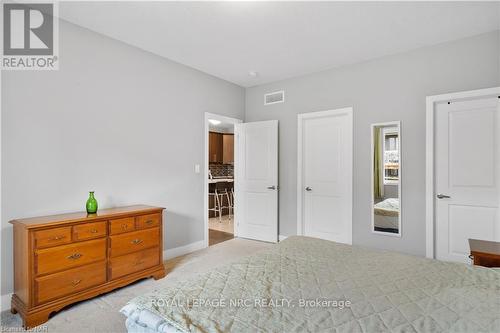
[253, 73]
[214, 121]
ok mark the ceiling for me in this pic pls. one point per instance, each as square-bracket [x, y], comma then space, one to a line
[280, 40]
[222, 127]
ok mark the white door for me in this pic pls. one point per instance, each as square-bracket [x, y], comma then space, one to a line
[325, 175]
[256, 180]
[467, 175]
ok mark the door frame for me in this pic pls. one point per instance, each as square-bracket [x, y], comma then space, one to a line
[300, 194]
[223, 119]
[431, 101]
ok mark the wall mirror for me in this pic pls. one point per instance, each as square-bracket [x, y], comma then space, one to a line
[386, 178]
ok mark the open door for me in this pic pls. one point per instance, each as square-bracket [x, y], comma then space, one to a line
[256, 180]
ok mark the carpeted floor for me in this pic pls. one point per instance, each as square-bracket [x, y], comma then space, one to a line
[101, 314]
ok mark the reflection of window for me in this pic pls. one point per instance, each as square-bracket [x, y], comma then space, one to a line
[391, 156]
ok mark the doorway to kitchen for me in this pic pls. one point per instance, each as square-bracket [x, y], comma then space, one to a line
[220, 152]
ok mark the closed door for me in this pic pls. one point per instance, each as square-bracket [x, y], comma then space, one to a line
[256, 181]
[325, 175]
[467, 175]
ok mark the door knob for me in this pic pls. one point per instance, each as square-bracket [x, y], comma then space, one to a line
[443, 196]
[308, 189]
[271, 187]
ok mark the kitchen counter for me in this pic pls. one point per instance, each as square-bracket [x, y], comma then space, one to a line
[220, 180]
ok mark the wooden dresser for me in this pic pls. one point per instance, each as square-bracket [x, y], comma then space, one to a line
[62, 259]
[485, 253]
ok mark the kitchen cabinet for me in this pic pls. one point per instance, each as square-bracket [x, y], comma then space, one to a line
[220, 147]
[227, 148]
[215, 147]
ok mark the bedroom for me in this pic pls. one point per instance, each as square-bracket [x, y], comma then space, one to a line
[124, 114]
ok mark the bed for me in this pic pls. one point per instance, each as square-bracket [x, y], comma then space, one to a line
[358, 289]
[386, 215]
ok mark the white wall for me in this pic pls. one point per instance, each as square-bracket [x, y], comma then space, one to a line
[113, 119]
[386, 89]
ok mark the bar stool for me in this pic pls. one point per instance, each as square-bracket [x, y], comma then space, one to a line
[216, 208]
[231, 209]
[221, 190]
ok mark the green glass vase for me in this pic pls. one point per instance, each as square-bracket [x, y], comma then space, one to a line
[91, 204]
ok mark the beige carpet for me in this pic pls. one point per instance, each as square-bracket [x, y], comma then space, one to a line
[101, 314]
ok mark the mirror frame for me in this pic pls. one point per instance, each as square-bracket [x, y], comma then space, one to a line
[372, 196]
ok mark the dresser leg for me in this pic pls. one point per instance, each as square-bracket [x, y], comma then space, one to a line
[13, 308]
[35, 319]
[32, 319]
[159, 275]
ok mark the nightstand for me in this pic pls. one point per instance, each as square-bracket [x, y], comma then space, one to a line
[485, 253]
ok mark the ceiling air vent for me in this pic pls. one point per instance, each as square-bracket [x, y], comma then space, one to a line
[274, 97]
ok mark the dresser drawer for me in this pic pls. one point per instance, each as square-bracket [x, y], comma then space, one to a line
[134, 262]
[89, 231]
[52, 237]
[134, 241]
[147, 221]
[68, 282]
[121, 225]
[69, 256]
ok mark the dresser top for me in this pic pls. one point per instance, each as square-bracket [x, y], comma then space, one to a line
[483, 246]
[102, 214]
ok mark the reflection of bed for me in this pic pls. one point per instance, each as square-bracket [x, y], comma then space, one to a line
[388, 291]
[386, 215]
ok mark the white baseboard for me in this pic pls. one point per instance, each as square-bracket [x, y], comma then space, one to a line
[282, 237]
[181, 250]
[5, 302]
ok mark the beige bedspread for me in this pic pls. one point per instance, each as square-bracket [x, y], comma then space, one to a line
[388, 207]
[388, 292]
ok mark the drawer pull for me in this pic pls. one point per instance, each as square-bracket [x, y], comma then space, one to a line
[74, 256]
[149, 221]
[56, 238]
[124, 226]
[139, 262]
[93, 231]
[76, 282]
[137, 241]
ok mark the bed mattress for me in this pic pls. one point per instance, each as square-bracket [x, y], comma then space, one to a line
[388, 207]
[386, 222]
[311, 285]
